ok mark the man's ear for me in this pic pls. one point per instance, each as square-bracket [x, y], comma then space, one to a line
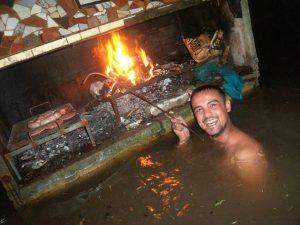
[228, 105]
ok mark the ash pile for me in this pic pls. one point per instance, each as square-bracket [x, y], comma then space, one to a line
[52, 154]
[102, 121]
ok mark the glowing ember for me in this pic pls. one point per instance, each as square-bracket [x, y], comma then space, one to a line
[124, 64]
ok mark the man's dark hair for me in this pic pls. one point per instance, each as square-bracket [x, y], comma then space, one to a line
[209, 87]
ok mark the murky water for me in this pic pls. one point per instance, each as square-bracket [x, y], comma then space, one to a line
[195, 184]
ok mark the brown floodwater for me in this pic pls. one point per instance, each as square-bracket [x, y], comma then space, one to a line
[195, 183]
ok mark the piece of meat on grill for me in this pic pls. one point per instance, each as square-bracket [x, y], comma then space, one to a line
[68, 115]
[49, 117]
[33, 124]
[41, 129]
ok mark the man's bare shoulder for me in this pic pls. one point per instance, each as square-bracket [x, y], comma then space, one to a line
[246, 148]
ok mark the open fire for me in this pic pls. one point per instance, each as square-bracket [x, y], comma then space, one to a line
[124, 65]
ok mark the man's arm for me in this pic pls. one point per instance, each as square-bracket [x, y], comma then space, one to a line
[182, 132]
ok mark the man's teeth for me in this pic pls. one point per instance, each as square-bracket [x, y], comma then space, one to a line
[211, 122]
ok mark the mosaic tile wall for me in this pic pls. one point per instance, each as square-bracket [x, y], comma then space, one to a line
[30, 23]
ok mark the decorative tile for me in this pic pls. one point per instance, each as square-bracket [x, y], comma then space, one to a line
[29, 29]
[36, 9]
[154, 4]
[100, 13]
[112, 14]
[52, 9]
[61, 11]
[54, 15]
[3, 52]
[50, 34]
[93, 22]
[42, 15]
[73, 38]
[38, 32]
[51, 2]
[49, 47]
[35, 21]
[136, 10]
[73, 21]
[111, 26]
[42, 3]
[4, 9]
[101, 10]
[90, 11]
[83, 26]
[8, 33]
[64, 32]
[74, 28]
[63, 22]
[99, 7]
[22, 11]
[27, 3]
[106, 5]
[19, 57]
[19, 29]
[17, 45]
[169, 1]
[112, 4]
[4, 62]
[32, 40]
[79, 15]
[122, 13]
[2, 26]
[90, 33]
[137, 4]
[7, 41]
[120, 3]
[4, 18]
[11, 23]
[68, 6]
[103, 18]
[51, 22]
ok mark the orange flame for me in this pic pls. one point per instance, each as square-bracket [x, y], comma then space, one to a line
[123, 63]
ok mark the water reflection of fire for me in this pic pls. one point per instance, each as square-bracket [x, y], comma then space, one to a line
[167, 185]
[147, 162]
[123, 64]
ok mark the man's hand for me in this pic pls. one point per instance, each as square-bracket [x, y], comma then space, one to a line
[178, 126]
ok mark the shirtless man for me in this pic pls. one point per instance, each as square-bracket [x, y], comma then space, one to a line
[211, 109]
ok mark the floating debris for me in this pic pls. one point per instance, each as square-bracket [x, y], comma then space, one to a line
[218, 203]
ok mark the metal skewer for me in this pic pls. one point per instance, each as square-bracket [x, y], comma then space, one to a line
[164, 111]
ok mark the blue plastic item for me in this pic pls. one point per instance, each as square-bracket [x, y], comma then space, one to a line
[233, 85]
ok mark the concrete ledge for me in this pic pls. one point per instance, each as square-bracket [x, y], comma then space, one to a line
[92, 164]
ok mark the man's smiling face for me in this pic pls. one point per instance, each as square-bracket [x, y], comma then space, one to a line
[211, 111]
